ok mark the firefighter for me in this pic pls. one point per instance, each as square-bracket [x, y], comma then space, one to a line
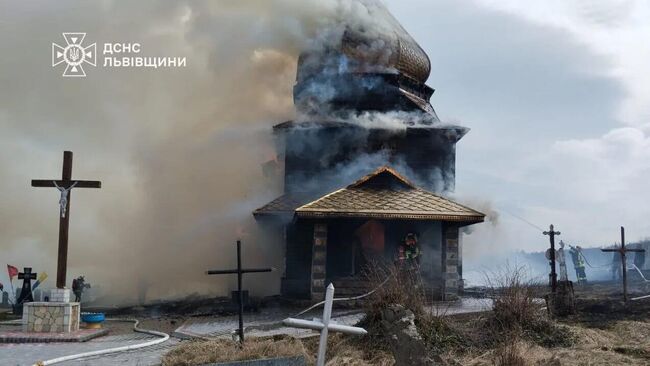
[578, 263]
[408, 252]
[78, 286]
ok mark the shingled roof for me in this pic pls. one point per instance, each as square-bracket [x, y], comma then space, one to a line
[283, 205]
[383, 194]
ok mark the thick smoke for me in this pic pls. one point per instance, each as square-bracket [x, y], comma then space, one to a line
[179, 151]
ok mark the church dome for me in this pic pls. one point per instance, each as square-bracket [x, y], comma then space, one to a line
[392, 52]
[367, 64]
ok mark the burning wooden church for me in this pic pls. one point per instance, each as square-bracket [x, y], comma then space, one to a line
[365, 166]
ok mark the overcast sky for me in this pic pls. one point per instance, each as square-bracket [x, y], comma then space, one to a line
[556, 93]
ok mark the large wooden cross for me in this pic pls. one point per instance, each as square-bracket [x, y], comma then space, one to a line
[239, 271]
[65, 186]
[551, 234]
[622, 250]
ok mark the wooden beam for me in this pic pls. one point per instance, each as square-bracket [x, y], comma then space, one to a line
[234, 271]
[61, 183]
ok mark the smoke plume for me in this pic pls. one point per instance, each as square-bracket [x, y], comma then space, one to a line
[179, 151]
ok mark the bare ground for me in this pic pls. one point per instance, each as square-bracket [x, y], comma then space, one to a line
[604, 331]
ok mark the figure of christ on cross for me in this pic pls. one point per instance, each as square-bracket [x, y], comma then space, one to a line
[64, 186]
[239, 271]
[622, 251]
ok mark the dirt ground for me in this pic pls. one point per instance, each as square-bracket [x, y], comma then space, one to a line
[604, 331]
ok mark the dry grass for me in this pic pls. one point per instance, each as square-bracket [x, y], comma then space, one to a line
[394, 286]
[398, 286]
[440, 334]
[202, 352]
[514, 298]
[515, 311]
[510, 354]
[346, 350]
[341, 350]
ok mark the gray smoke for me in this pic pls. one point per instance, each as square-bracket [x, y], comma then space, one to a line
[179, 151]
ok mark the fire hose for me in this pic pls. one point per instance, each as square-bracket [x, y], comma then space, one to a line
[163, 338]
[346, 298]
[298, 314]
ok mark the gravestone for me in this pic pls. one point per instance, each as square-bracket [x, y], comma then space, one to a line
[404, 340]
[26, 291]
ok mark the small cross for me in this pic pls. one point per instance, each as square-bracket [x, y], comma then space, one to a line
[239, 271]
[622, 250]
[551, 234]
[26, 292]
[65, 186]
[324, 325]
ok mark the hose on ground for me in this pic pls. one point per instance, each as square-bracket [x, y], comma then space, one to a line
[345, 298]
[12, 322]
[164, 338]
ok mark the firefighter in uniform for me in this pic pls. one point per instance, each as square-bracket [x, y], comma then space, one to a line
[78, 286]
[578, 263]
[408, 255]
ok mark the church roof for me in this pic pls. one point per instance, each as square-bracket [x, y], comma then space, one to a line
[383, 194]
[283, 205]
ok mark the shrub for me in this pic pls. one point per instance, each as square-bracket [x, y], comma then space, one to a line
[514, 299]
[393, 285]
[517, 309]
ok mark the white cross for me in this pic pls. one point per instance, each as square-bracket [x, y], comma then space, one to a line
[324, 326]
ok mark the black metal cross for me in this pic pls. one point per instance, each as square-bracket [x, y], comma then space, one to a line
[240, 271]
[622, 250]
[26, 292]
[551, 233]
[65, 186]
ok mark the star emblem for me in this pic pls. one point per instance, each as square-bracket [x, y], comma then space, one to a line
[74, 54]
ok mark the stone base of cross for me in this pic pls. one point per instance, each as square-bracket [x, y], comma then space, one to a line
[324, 325]
[58, 315]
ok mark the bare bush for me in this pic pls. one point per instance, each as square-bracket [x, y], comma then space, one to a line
[517, 309]
[514, 298]
[394, 285]
[397, 285]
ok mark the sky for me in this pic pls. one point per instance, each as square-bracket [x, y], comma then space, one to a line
[556, 94]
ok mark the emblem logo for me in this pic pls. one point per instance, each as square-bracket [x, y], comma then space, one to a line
[74, 54]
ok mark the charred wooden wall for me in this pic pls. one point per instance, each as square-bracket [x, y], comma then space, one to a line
[322, 157]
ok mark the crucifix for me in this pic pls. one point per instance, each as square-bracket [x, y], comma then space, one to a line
[26, 292]
[324, 325]
[622, 251]
[64, 186]
[239, 271]
[551, 234]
